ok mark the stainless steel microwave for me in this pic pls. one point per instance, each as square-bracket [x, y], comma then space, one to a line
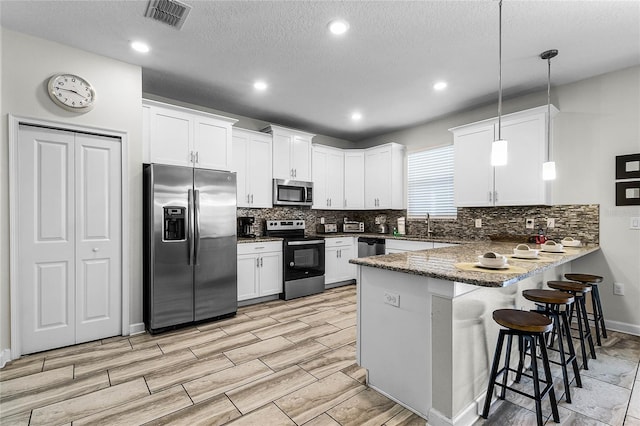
[292, 193]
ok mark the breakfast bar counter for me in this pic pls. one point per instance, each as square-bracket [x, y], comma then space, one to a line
[425, 332]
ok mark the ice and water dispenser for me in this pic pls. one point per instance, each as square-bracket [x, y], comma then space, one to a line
[175, 225]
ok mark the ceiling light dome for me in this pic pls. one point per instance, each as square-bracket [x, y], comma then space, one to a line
[356, 116]
[260, 85]
[440, 85]
[338, 26]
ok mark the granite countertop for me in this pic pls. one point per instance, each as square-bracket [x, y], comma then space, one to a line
[393, 237]
[441, 262]
[243, 240]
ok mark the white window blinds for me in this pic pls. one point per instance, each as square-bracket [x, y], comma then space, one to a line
[430, 183]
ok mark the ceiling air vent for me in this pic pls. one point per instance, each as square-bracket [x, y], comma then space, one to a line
[170, 12]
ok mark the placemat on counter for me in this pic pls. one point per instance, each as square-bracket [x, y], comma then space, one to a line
[474, 267]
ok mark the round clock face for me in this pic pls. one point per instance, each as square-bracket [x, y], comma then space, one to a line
[71, 92]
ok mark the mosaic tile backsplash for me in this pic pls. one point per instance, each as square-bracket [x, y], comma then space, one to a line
[580, 221]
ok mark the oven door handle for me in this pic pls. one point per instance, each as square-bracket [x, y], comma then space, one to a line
[303, 243]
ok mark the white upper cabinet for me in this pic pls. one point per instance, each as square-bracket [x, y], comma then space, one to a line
[384, 176]
[252, 163]
[328, 178]
[353, 179]
[478, 184]
[291, 153]
[183, 137]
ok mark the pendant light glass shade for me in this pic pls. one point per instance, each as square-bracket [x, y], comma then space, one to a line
[499, 152]
[549, 167]
[549, 170]
[499, 146]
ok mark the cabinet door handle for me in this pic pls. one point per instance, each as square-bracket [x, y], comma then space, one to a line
[490, 196]
[197, 156]
[495, 197]
[329, 202]
[257, 262]
[344, 204]
[295, 172]
[191, 157]
[291, 173]
[251, 198]
[261, 262]
[340, 254]
[248, 199]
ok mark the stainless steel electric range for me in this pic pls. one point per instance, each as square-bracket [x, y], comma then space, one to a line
[303, 258]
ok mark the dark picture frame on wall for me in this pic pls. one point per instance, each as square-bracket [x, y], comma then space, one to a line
[628, 193]
[628, 166]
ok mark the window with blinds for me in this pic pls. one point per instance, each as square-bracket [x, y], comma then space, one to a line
[430, 183]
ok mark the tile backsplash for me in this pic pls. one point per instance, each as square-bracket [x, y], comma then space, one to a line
[580, 221]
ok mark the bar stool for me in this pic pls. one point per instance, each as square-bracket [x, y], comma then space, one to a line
[531, 327]
[598, 316]
[578, 291]
[552, 301]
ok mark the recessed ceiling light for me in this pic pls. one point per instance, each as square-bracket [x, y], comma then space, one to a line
[338, 26]
[260, 85]
[356, 116]
[139, 46]
[441, 85]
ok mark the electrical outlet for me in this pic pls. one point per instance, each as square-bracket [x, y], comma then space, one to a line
[551, 223]
[635, 223]
[392, 299]
[618, 288]
[530, 223]
[478, 223]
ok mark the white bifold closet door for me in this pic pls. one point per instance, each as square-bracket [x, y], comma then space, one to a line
[69, 237]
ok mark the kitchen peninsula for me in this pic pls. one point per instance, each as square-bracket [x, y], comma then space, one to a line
[425, 329]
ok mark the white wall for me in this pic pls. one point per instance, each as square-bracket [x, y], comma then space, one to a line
[27, 64]
[599, 119]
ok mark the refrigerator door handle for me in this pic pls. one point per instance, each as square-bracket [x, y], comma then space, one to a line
[196, 219]
[190, 225]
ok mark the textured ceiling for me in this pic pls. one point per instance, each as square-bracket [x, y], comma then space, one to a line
[384, 66]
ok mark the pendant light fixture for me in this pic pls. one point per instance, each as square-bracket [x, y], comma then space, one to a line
[499, 145]
[549, 167]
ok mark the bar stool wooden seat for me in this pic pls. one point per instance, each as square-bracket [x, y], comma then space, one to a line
[598, 316]
[531, 327]
[579, 291]
[556, 304]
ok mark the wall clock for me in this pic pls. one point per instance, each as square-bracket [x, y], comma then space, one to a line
[71, 92]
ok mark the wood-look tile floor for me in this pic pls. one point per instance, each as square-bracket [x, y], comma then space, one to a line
[276, 363]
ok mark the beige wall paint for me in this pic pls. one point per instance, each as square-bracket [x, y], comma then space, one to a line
[27, 64]
[598, 120]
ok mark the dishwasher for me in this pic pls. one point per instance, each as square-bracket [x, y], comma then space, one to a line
[369, 246]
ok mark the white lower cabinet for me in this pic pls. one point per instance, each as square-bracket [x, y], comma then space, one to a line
[337, 253]
[259, 269]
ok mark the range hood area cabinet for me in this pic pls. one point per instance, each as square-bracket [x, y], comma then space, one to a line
[179, 136]
[519, 183]
[358, 179]
[328, 177]
[252, 164]
[291, 153]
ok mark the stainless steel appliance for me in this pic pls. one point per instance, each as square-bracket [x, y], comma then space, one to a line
[353, 227]
[303, 258]
[292, 193]
[245, 224]
[368, 246]
[189, 245]
[383, 228]
[326, 228]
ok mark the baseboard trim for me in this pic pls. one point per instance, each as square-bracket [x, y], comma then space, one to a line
[623, 327]
[466, 417]
[5, 357]
[137, 328]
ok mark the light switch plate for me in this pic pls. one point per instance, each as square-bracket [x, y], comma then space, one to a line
[530, 223]
[478, 223]
[551, 223]
[635, 223]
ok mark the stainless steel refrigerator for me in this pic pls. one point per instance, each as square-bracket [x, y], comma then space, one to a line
[190, 269]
